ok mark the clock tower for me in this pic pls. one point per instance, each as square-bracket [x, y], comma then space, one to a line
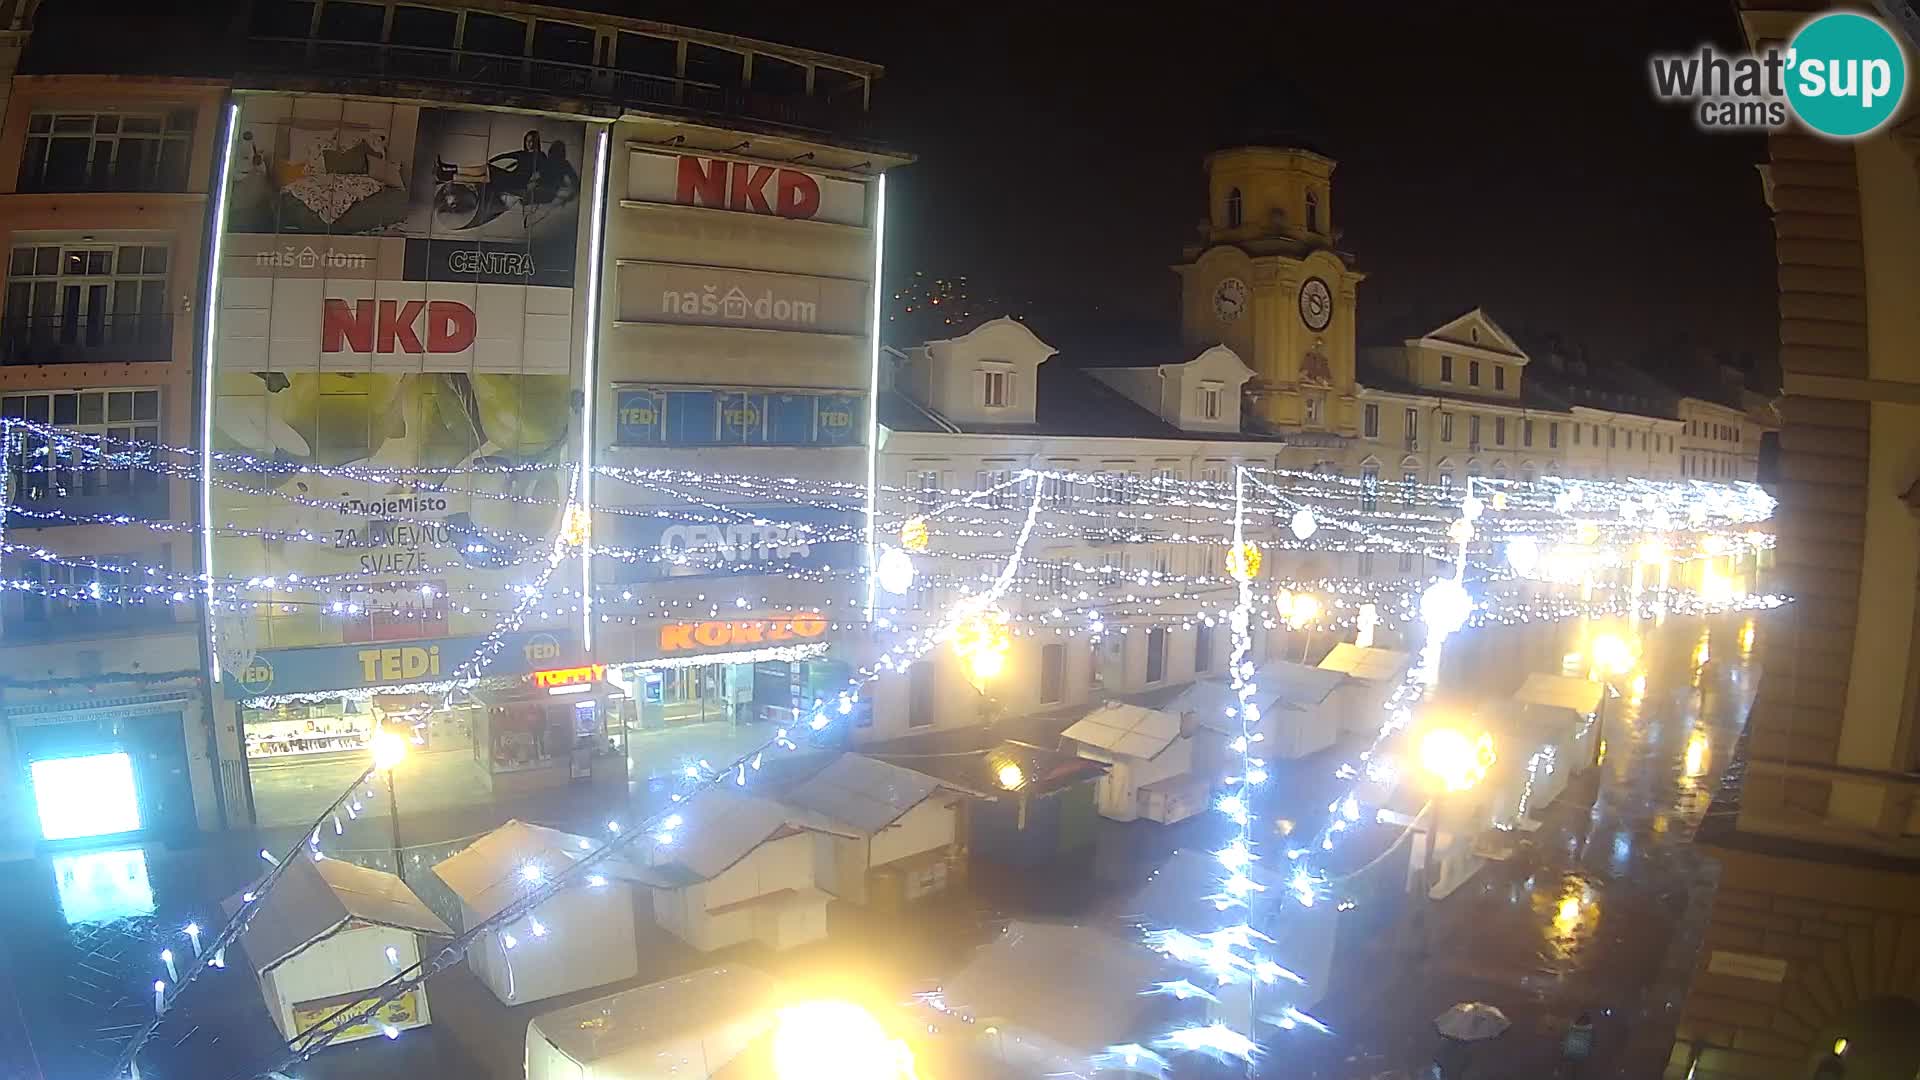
[1267, 282]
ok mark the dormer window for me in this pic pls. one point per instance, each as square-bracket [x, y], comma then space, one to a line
[1210, 400]
[1313, 211]
[996, 387]
[1234, 211]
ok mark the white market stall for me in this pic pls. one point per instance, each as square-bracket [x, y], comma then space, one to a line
[685, 1028]
[891, 830]
[582, 937]
[1540, 749]
[1151, 761]
[1297, 713]
[1447, 847]
[326, 935]
[1046, 999]
[1373, 675]
[740, 869]
[1582, 699]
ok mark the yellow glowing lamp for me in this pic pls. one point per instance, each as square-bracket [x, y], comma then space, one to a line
[1011, 776]
[981, 641]
[913, 534]
[1653, 551]
[1714, 544]
[1588, 532]
[1455, 759]
[1461, 531]
[1612, 655]
[576, 526]
[389, 749]
[1499, 500]
[836, 1040]
[1301, 609]
[1243, 562]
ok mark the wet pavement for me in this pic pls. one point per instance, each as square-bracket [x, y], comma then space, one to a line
[1601, 912]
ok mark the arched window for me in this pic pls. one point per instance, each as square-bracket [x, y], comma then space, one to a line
[1233, 208]
[1313, 211]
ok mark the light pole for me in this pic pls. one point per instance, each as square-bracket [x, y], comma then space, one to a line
[1611, 657]
[389, 750]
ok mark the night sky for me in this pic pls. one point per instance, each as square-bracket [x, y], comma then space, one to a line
[1501, 154]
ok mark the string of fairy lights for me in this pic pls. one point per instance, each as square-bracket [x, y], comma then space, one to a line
[949, 588]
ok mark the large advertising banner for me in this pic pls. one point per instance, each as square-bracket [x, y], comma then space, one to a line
[397, 293]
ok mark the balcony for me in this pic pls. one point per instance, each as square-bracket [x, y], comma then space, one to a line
[844, 113]
[86, 339]
[31, 618]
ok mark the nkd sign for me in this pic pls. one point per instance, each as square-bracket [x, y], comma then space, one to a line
[745, 187]
[389, 326]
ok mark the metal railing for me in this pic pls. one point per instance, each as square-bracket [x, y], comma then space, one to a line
[386, 61]
[86, 339]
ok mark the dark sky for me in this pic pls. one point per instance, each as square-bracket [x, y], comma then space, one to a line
[1501, 154]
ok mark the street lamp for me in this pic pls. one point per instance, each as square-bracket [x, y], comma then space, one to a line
[1611, 657]
[389, 750]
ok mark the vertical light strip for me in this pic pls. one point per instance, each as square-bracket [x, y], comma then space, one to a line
[589, 376]
[215, 247]
[873, 379]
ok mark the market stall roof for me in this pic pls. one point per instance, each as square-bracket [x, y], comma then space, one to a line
[718, 829]
[985, 773]
[1078, 986]
[1561, 691]
[1367, 664]
[1126, 729]
[663, 1012]
[488, 875]
[314, 897]
[861, 793]
[1281, 683]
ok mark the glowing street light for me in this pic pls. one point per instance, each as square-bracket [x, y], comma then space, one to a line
[1611, 655]
[836, 1040]
[389, 750]
[981, 642]
[1458, 761]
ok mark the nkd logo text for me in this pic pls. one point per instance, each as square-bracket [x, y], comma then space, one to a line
[1843, 75]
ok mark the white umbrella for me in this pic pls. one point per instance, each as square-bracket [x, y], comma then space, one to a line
[1471, 1021]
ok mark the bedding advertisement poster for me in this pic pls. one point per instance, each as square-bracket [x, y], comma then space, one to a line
[397, 292]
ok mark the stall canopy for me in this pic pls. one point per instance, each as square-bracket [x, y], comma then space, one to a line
[487, 876]
[1126, 730]
[719, 828]
[314, 898]
[1366, 664]
[1561, 691]
[636, 1026]
[860, 794]
[1002, 767]
[1276, 683]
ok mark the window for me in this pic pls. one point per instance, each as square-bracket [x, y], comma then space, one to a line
[1370, 487]
[996, 486]
[1406, 562]
[1210, 401]
[1167, 472]
[1526, 433]
[1233, 208]
[88, 295]
[1313, 211]
[1500, 430]
[921, 683]
[1473, 431]
[1413, 428]
[1473, 334]
[1613, 437]
[996, 388]
[1060, 489]
[1370, 421]
[1410, 480]
[1596, 433]
[1473, 373]
[107, 151]
[54, 467]
[1499, 376]
[1316, 409]
[1213, 472]
[1446, 480]
[1576, 434]
[1553, 436]
[1156, 654]
[1446, 427]
[926, 486]
[1526, 472]
[1053, 674]
[1446, 369]
[1202, 649]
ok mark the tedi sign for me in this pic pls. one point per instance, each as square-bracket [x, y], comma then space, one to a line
[390, 326]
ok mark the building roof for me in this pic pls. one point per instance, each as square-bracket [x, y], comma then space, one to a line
[1560, 691]
[718, 829]
[861, 793]
[315, 896]
[1128, 730]
[1075, 985]
[487, 875]
[1278, 683]
[662, 1012]
[1367, 664]
[977, 769]
[1532, 394]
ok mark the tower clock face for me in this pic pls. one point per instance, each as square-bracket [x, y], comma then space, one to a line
[1229, 299]
[1316, 304]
